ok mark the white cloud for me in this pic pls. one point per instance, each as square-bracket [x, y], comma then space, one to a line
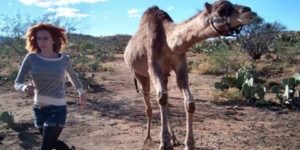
[39, 3]
[134, 13]
[67, 12]
[51, 3]
[61, 7]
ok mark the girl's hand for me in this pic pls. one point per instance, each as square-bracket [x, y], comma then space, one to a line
[82, 99]
[29, 89]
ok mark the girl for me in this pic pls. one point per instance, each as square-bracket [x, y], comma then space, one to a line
[48, 67]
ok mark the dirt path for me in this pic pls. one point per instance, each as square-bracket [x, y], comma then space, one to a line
[115, 119]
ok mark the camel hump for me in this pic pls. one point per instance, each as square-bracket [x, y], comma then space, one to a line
[156, 12]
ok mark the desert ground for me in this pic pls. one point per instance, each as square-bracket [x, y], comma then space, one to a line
[114, 119]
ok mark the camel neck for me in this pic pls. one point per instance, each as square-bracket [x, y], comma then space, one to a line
[190, 32]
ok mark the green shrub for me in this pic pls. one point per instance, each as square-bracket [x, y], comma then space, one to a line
[214, 45]
[10, 77]
[218, 62]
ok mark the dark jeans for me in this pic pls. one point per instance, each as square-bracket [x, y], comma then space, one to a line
[50, 121]
[50, 116]
[50, 141]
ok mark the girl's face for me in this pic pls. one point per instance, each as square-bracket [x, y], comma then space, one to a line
[44, 40]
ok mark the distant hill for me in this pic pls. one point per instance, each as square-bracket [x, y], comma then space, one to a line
[102, 40]
[114, 44]
[2, 39]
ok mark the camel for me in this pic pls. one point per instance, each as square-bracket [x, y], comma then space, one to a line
[159, 47]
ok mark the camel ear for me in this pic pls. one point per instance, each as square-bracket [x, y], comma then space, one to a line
[208, 7]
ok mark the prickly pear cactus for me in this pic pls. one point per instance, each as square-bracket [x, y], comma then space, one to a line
[260, 91]
[253, 92]
[288, 92]
[244, 74]
[7, 117]
[245, 82]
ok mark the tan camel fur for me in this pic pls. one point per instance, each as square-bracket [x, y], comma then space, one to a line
[159, 47]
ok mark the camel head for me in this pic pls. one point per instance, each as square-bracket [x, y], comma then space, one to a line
[227, 18]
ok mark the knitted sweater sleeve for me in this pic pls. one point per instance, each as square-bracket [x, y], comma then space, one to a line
[22, 74]
[72, 76]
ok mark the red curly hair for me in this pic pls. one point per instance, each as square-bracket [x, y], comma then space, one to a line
[58, 34]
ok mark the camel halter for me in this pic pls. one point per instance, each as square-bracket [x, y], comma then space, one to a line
[230, 31]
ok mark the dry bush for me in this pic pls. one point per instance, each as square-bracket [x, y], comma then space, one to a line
[209, 68]
[229, 94]
[220, 62]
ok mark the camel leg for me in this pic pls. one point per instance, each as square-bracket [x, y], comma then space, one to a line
[145, 82]
[157, 78]
[182, 81]
[174, 139]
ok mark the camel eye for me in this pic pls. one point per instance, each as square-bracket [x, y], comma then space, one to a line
[225, 12]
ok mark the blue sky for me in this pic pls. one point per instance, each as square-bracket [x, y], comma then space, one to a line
[110, 17]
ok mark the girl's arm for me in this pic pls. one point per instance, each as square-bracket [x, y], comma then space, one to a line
[73, 77]
[76, 83]
[22, 74]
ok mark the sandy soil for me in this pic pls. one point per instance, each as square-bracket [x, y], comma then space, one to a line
[115, 118]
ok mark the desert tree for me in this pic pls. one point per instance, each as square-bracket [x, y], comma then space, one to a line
[257, 37]
[13, 29]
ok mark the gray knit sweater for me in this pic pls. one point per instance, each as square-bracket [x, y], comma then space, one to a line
[48, 75]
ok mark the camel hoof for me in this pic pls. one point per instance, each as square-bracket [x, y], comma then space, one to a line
[189, 148]
[175, 141]
[148, 141]
[190, 144]
[166, 146]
